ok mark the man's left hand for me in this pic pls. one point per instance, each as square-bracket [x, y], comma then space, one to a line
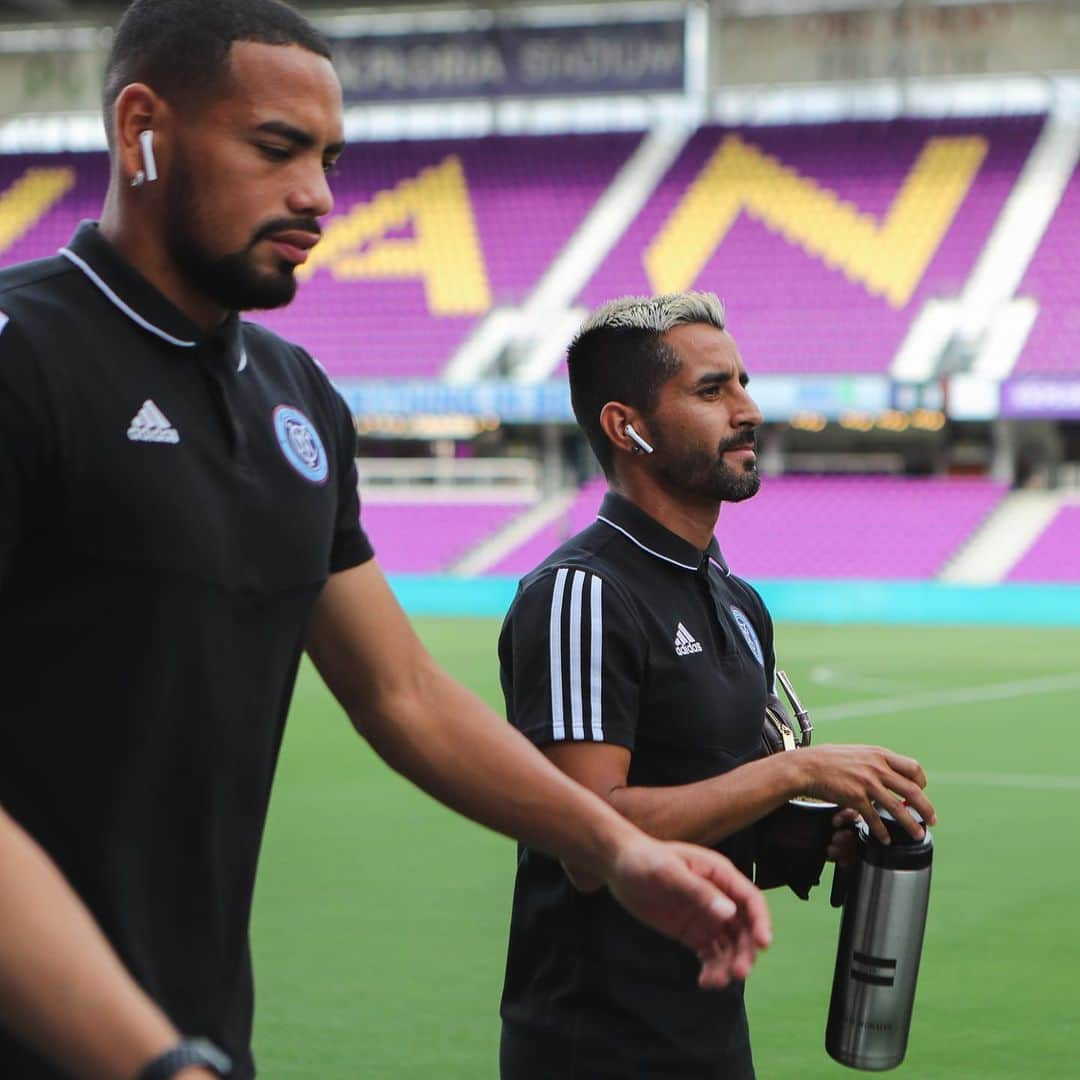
[697, 897]
[841, 849]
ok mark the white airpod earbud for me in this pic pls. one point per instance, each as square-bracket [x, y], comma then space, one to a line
[146, 144]
[632, 434]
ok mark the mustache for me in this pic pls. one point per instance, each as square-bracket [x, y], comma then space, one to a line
[280, 225]
[740, 440]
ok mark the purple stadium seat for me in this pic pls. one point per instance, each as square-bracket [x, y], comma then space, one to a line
[540, 545]
[527, 198]
[874, 527]
[889, 528]
[1054, 343]
[789, 310]
[1055, 555]
[373, 312]
[54, 229]
[524, 197]
[428, 537]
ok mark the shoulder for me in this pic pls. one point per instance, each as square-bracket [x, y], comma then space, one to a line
[590, 550]
[22, 278]
[748, 599]
[267, 345]
[41, 305]
[23, 287]
[292, 366]
[578, 572]
[745, 591]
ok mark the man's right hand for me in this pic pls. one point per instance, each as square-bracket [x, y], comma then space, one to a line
[699, 898]
[857, 777]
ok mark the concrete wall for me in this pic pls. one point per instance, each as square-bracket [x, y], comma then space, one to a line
[916, 39]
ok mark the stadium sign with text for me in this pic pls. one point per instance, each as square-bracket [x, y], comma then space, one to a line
[1041, 399]
[780, 397]
[511, 402]
[514, 61]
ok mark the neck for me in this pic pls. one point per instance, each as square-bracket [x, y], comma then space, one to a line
[138, 238]
[693, 520]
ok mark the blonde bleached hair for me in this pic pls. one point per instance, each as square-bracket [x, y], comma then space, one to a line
[656, 314]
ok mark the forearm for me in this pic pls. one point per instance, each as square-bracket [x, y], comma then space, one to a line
[62, 989]
[711, 810]
[452, 745]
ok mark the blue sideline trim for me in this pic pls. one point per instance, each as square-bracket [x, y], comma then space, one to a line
[922, 602]
[925, 602]
[420, 594]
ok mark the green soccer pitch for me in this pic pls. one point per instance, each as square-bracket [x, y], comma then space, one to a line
[380, 917]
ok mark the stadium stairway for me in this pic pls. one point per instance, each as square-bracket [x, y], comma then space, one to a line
[1055, 555]
[989, 314]
[989, 324]
[1003, 538]
[492, 549]
[534, 336]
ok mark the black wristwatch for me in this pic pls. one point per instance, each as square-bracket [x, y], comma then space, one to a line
[186, 1053]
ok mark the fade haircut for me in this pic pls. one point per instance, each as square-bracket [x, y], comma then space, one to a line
[619, 354]
[180, 48]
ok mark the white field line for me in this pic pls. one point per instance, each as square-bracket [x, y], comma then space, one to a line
[959, 695]
[1026, 781]
[850, 681]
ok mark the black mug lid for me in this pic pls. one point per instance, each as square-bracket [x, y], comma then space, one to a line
[905, 852]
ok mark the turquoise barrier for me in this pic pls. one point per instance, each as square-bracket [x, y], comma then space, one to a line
[926, 602]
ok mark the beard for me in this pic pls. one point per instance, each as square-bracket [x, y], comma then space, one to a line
[232, 281]
[704, 473]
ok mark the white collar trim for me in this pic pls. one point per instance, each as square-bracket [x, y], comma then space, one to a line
[130, 312]
[633, 539]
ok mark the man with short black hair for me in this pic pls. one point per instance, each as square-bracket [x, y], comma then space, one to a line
[179, 520]
[641, 666]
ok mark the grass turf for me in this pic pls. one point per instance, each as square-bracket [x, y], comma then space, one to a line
[380, 918]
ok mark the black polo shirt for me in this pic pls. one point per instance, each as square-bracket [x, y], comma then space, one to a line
[630, 635]
[171, 505]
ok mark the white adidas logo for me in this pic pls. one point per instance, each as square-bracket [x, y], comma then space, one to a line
[685, 643]
[151, 425]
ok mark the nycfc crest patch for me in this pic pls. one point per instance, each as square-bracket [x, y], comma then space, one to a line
[300, 443]
[748, 632]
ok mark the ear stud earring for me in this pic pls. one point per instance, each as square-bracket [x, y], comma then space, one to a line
[138, 179]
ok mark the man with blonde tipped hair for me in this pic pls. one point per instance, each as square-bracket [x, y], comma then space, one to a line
[640, 664]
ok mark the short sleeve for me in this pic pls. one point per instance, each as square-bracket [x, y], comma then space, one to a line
[572, 660]
[24, 441]
[351, 545]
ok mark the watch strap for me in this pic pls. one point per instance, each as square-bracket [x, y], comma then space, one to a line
[186, 1053]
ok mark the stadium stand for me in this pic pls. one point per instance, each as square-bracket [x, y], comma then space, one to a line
[428, 537]
[537, 547]
[1055, 555]
[43, 198]
[846, 229]
[869, 527]
[427, 237]
[1054, 342]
